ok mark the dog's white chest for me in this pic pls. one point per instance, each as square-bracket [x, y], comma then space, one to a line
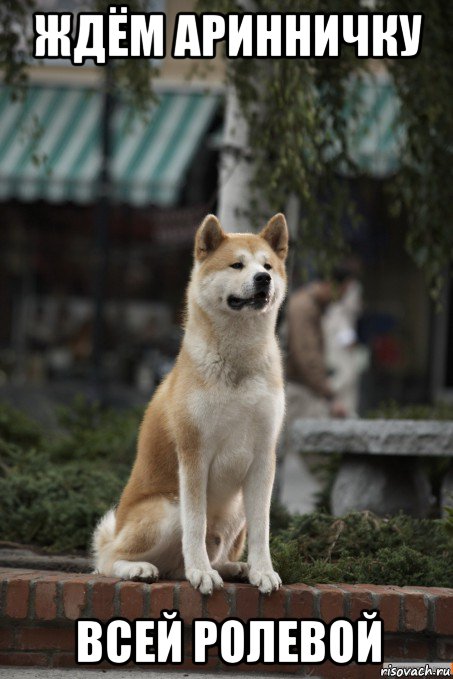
[227, 413]
[235, 424]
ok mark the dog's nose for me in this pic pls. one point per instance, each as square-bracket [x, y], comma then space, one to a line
[262, 279]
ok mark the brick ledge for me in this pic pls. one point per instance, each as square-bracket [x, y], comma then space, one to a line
[38, 610]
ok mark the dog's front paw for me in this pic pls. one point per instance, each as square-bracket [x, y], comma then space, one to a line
[204, 580]
[238, 570]
[267, 581]
[135, 570]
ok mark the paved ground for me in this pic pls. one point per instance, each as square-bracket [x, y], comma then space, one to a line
[74, 673]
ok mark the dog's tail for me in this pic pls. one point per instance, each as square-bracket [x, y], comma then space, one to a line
[102, 542]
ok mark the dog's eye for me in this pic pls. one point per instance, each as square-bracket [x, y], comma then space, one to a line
[237, 265]
[268, 267]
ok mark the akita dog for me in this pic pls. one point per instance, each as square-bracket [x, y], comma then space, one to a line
[205, 462]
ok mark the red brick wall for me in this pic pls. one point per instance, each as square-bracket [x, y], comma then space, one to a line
[38, 610]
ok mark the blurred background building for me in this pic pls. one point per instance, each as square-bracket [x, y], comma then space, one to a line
[94, 266]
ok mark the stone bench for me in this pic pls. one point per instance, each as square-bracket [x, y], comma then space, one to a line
[380, 469]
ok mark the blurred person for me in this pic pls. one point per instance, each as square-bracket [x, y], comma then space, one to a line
[346, 359]
[310, 393]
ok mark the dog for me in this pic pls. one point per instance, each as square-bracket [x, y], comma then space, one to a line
[205, 463]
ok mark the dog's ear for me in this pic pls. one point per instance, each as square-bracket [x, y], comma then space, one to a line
[209, 236]
[276, 234]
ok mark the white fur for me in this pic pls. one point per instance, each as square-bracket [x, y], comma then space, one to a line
[135, 570]
[103, 537]
[166, 553]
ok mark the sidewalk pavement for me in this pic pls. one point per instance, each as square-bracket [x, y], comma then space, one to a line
[87, 673]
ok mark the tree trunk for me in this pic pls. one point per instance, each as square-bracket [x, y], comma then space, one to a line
[236, 161]
[236, 168]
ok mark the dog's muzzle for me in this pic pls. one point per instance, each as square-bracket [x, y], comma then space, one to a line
[260, 298]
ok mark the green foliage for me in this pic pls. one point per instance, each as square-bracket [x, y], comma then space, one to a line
[15, 427]
[15, 18]
[392, 410]
[325, 467]
[449, 521]
[98, 435]
[55, 506]
[54, 489]
[363, 548]
[296, 109]
[132, 78]
[424, 86]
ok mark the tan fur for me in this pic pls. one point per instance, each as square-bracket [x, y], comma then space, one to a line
[238, 546]
[206, 449]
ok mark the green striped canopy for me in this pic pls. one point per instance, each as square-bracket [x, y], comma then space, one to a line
[50, 141]
[375, 136]
[50, 145]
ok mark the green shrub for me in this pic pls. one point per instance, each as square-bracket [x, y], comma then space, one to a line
[53, 490]
[391, 410]
[90, 432]
[16, 427]
[54, 506]
[361, 547]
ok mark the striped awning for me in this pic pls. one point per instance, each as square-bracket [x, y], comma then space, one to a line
[375, 136]
[50, 145]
